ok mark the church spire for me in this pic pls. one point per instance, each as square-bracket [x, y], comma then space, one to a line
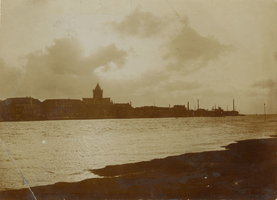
[98, 92]
[97, 87]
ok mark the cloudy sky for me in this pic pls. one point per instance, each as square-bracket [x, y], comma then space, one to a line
[146, 51]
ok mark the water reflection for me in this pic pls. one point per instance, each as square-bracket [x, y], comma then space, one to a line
[62, 151]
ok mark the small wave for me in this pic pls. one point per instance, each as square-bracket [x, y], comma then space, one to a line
[76, 173]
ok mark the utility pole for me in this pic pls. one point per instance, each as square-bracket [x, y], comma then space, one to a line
[264, 113]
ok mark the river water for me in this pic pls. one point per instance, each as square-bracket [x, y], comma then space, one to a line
[48, 152]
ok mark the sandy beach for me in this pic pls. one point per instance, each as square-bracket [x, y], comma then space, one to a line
[245, 170]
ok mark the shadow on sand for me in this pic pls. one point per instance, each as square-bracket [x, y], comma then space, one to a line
[245, 170]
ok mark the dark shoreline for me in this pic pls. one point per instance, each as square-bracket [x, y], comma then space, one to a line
[245, 170]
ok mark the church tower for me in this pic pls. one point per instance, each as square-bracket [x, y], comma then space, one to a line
[97, 93]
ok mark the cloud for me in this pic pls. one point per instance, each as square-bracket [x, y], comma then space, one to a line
[180, 85]
[188, 51]
[140, 24]
[103, 56]
[66, 56]
[270, 93]
[10, 78]
[63, 69]
[151, 86]
[268, 83]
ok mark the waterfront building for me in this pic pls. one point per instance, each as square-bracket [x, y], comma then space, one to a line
[97, 107]
[122, 110]
[1, 110]
[97, 98]
[179, 111]
[62, 109]
[23, 108]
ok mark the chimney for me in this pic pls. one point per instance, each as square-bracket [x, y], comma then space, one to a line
[233, 104]
[197, 104]
[188, 110]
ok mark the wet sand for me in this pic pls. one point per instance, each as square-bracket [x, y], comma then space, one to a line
[245, 170]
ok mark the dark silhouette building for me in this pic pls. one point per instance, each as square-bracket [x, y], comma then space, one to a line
[97, 98]
[121, 110]
[1, 111]
[23, 108]
[61, 109]
[97, 107]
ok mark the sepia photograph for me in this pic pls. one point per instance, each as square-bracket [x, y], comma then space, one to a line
[138, 99]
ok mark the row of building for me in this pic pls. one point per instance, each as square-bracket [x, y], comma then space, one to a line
[28, 109]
